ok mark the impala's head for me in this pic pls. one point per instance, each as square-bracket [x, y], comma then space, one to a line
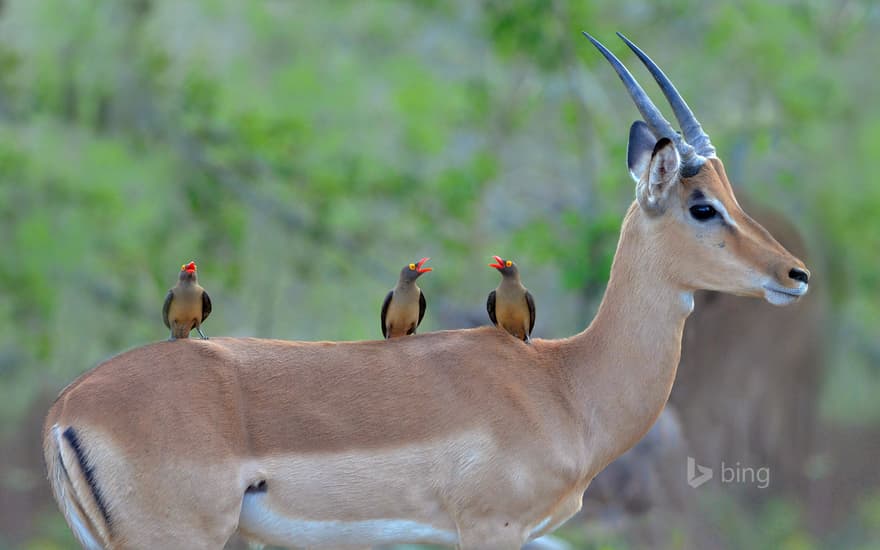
[683, 193]
[188, 272]
[411, 272]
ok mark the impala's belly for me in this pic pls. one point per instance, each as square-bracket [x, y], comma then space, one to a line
[360, 497]
[407, 494]
[261, 522]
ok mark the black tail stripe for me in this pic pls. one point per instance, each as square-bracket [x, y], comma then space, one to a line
[83, 515]
[88, 472]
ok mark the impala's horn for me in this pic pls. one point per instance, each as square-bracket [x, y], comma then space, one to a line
[693, 132]
[691, 160]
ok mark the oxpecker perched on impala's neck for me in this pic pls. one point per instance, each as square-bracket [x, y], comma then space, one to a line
[187, 305]
[511, 305]
[404, 305]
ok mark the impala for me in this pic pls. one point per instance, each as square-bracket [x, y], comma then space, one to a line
[463, 437]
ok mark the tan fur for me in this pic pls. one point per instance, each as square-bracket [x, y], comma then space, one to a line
[464, 430]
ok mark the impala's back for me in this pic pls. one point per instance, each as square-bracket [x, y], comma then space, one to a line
[292, 436]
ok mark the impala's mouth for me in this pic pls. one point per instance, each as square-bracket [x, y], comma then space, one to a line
[782, 296]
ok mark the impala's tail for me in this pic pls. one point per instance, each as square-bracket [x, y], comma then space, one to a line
[73, 483]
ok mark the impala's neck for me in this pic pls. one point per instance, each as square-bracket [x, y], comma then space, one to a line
[624, 363]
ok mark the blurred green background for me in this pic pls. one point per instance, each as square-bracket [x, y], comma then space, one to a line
[302, 152]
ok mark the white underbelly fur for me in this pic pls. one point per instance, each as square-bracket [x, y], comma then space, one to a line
[269, 526]
[361, 497]
[375, 497]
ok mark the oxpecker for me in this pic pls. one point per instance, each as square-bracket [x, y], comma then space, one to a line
[187, 305]
[404, 306]
[511, 305]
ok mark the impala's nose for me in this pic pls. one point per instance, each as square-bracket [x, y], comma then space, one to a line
[799, 274]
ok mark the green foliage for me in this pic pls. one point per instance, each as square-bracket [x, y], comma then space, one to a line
[776, 525]
[302, 152]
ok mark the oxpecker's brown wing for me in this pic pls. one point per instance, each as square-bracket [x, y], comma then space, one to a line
[422, 305]
[531, 302]
[490, 307]
[206, 305]
[166, 306]
[385, 305]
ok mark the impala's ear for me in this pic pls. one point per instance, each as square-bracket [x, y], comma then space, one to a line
[638, 149]
[661, 176]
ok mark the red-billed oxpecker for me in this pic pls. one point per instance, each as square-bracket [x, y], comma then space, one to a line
[404, 306]
[187, 305]
[511, 305]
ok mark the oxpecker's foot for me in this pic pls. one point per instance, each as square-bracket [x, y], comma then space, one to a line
[528, 340]
[171, 338]
[202, 334]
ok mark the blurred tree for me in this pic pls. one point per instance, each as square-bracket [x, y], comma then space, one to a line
[302, 146]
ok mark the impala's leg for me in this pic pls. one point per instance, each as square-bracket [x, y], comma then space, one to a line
[203, 521]
[192, 511]
[172, 505]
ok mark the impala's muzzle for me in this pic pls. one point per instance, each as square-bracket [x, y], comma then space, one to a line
[797, 280]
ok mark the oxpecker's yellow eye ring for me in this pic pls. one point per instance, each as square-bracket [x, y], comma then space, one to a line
[412, 267]
[508, 263]
[183, 267]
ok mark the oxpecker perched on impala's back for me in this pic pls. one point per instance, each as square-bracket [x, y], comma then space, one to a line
[187, 305]
[511, 305]
[404, 305]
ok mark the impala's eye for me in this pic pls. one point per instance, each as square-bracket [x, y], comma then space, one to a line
[703, 212]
